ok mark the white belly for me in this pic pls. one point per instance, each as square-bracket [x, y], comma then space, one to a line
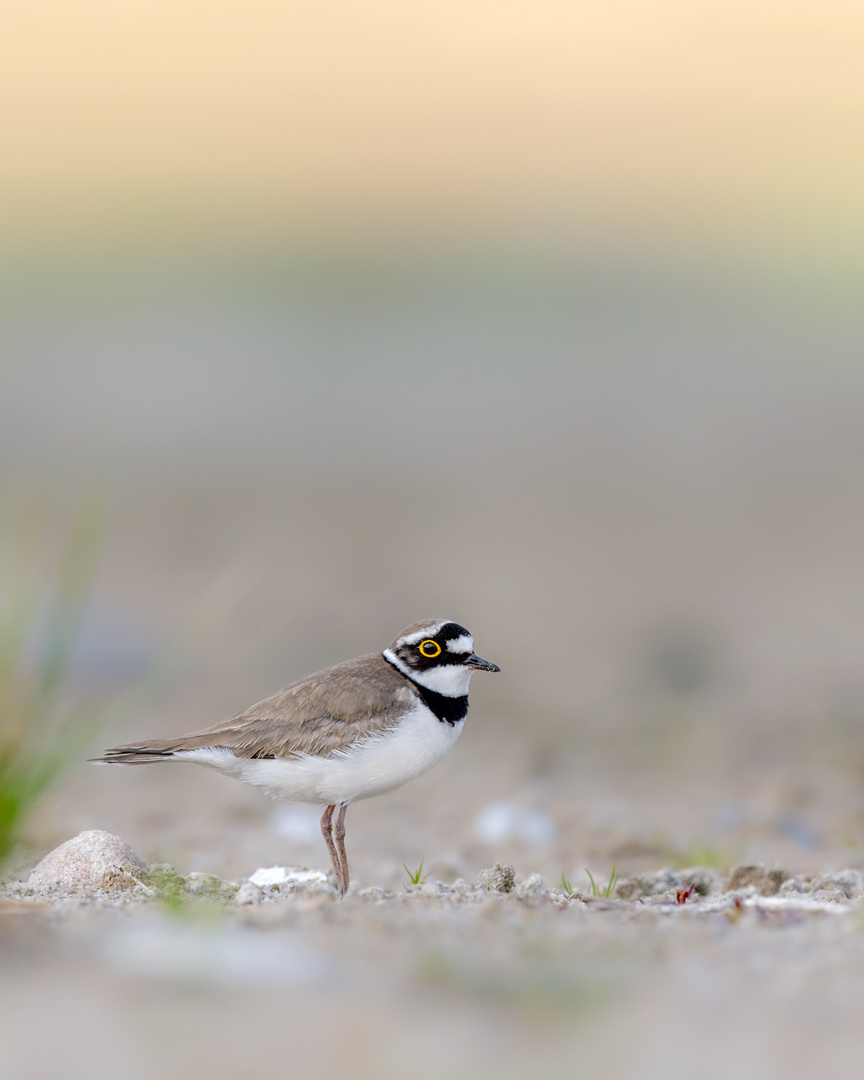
[377, 764]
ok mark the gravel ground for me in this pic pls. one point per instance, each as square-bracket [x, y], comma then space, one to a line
[755, 972]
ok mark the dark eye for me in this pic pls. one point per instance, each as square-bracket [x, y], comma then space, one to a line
[430, 648]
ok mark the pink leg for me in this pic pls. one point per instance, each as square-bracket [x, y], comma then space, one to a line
[326, 823]
[339, 837]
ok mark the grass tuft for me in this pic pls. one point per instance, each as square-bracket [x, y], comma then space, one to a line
[417, 877]
[606, 890]
[40, 735]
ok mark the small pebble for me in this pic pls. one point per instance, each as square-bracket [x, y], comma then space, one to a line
[497, 878]
[766, 880]
[531, 888]
[249, 893]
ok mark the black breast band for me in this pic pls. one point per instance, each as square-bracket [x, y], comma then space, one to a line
[449, 710]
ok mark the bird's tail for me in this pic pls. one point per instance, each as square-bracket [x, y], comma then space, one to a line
[137, 753]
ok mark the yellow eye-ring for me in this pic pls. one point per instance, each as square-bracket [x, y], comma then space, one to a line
[430, 648]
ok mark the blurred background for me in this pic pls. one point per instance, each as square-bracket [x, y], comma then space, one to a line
[542, 317]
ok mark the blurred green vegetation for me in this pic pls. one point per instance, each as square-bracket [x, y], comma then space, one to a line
[41, 731]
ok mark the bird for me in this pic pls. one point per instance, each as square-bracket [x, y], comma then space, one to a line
[358, 729]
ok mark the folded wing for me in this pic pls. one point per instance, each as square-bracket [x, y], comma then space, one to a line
[318, 715]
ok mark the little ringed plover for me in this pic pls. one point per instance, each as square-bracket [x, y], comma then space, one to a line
[358, 729]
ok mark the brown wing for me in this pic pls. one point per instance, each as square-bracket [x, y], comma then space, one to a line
[317, 715]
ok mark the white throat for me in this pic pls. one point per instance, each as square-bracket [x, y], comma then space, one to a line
[451, 680]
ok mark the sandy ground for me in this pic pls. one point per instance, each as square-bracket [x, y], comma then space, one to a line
[424, 979]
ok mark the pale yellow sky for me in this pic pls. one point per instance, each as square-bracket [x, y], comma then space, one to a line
[248, 115]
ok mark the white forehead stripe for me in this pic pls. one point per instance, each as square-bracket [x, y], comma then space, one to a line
[428, 631]
[463, 644]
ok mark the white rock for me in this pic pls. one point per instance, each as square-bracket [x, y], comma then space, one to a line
[268, 875]
[305, 877]
[286, 875]
[92, 861]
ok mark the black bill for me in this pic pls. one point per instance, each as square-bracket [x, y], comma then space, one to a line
[482, 665]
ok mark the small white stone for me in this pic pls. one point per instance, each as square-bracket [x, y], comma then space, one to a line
[305, 877]
[268, 875]
[286, 875]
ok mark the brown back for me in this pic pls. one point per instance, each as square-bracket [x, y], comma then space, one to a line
[319, 715]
